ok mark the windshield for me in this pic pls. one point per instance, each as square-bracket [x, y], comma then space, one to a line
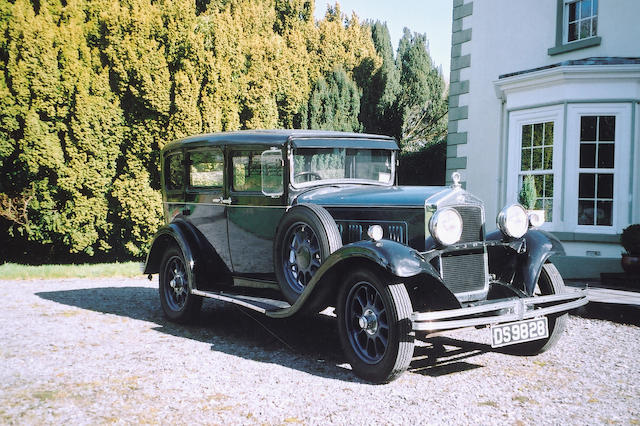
[311, 165]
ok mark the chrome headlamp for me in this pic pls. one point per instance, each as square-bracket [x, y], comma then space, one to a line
[446, 226]
[513, 221]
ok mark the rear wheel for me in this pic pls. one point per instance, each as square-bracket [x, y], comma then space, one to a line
[177, 302]
[549, 282]
[374, 325]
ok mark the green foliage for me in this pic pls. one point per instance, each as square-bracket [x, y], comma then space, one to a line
[91, 90]
[335, 103]
[426, 166]
[528, 194]
[630, 239]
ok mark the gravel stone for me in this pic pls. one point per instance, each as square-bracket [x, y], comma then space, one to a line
[87, 351]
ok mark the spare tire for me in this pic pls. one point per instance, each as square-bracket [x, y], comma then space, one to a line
[306, 236]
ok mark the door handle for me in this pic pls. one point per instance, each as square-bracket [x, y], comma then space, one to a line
[222, 200]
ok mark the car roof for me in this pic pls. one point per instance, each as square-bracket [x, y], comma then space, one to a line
[272, 138]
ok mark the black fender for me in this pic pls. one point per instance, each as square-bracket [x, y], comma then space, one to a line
[395, 258]
[202, 261]
[524, 267]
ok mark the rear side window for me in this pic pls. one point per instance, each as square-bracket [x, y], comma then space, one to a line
[206, 169]
[247, 176]
[174, 172]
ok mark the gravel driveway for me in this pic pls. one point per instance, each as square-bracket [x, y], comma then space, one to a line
[99, 351]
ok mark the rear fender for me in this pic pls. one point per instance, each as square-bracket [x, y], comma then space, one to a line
[202, 261]
[525, 267]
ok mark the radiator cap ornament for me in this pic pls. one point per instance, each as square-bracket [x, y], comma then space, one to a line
[455, 177]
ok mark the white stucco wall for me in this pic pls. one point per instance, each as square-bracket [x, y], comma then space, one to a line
[510, 36]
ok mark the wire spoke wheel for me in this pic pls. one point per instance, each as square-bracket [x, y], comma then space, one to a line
[177, 302]
[176, 291]
[367, 320]
[374, 324]
[302, 258]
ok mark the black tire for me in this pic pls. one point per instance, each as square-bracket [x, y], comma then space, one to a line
[178, 304]
[549, 282]
[374, 324]
[306, 236]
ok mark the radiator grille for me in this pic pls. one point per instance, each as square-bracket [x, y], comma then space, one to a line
[464, 273]
[472, 223]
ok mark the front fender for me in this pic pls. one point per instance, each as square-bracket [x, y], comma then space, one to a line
[395, 258]
[540, 246]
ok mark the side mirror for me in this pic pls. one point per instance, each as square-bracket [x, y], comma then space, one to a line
[272, 167]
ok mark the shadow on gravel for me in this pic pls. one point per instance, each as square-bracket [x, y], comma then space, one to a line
[618, 313]
[309, 343]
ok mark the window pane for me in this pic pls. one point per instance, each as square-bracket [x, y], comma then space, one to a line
[607, 130]
[548, 186]
[605, 156]
[526, 159]
[174, 173]
[587, 185]
[604, 210]
[548, 133]
[548, 158]
[572, 12]
[526, 135]
[247, 172]
[206, 169]
[605, 186]
[537, 134]
[585, 212]
[594, 26]
[585, 9]
[548, 210]
[573, 32]
[587, 155]
[588, 128]
[537, 159]
[585, 29]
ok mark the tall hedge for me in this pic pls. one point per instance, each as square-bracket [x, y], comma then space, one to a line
[91, 90]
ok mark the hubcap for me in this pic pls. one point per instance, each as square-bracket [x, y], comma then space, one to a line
[367, 323]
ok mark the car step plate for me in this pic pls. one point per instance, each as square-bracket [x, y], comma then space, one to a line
[519, 332]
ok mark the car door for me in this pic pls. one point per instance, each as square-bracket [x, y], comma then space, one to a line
[253, 215]
[205, 197]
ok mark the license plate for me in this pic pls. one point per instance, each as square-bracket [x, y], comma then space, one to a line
[518, 332]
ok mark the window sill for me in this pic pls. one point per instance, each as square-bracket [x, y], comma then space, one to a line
[587, 237]
[575, 45]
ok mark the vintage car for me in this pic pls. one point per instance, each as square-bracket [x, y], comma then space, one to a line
[287, 222]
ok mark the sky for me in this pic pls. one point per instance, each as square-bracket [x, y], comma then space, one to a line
[430, 17]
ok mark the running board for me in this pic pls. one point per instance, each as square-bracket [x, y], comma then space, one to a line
[259, 304]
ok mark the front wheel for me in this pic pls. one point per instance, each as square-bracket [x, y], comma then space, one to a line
[549, 282]
[177, 302]
[374, 325]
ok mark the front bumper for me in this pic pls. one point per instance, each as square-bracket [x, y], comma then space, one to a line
[498, 311]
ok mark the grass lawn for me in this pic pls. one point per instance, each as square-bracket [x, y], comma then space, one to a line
[14, 271]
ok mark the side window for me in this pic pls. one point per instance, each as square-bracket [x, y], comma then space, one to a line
[174, 172]
[206, 169]
[247, 171]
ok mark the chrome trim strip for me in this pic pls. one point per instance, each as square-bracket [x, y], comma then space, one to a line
[518, 309]
[224, 298]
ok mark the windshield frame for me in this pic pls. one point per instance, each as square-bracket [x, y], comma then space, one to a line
[290, 155]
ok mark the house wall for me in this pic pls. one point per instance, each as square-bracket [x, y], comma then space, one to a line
[497, 37]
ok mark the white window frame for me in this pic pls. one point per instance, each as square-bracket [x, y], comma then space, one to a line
[565, 21]
[621, 170]
[517, 119]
